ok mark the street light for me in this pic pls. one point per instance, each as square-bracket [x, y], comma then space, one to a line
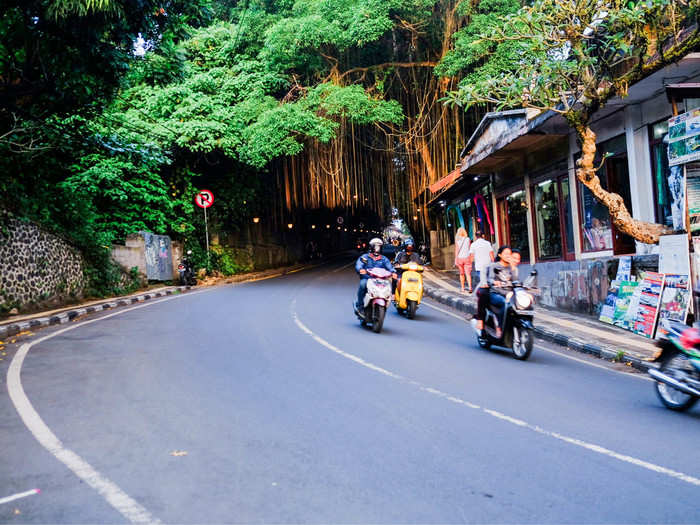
[313, 226]
[256, 220]
[328, 226]
[290, 226]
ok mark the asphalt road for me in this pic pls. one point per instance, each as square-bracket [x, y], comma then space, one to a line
[266, 402]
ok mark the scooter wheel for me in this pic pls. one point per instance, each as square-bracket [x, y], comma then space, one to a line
[379, 319]
[522, 345]
[671, 398]
[483, 342]
[411, 307]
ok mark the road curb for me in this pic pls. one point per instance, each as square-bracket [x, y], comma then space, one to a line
[14, 329]
[553, 336]
[11, 329]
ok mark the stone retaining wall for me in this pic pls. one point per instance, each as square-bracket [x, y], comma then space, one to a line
[36, 267]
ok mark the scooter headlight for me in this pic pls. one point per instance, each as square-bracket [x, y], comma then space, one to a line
[523, 300]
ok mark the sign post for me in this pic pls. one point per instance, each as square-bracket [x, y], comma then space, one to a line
[204, 199]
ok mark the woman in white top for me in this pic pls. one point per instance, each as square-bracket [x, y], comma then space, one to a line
[462, 260]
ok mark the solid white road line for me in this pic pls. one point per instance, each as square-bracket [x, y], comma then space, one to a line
[493, 413]
[115, 496]
[555, 352]
[19, 496]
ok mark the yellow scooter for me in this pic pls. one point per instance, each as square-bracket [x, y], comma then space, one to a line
[409, 290]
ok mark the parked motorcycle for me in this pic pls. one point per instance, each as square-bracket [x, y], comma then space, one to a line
[409, 290]
[514, 319]
[186, 271]
[376, 299]
[678, 376]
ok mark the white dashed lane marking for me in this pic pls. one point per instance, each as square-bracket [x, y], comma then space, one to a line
[494, 413]
[21, 495]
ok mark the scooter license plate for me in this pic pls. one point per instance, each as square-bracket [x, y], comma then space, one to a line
[413, 280]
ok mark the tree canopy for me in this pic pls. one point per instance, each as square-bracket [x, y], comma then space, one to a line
[280, 106]
[570, 57]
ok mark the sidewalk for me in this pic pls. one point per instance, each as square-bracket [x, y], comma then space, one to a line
[577, 332]
[19, 325]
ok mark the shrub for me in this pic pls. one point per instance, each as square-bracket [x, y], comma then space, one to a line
[228, 261]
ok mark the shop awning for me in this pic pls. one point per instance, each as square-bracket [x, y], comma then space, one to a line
[501, 138]
[446, 181]
[680, 91]
[505, 136]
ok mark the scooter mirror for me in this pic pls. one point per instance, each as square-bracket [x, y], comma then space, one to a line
[531, 282]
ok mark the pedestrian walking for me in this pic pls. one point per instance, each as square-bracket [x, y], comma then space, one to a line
[481, 255]
[462, 260]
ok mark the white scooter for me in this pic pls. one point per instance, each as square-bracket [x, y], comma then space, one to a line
[377, 299]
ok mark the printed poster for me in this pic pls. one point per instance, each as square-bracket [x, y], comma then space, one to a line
[607, 311]
[693, 192]
[675, 298]
[624, 268]
[674, 255]
[632, 307]
[684, 138]
[644, 322]
[624, 296]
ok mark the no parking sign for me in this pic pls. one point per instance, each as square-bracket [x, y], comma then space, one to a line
[204, 199]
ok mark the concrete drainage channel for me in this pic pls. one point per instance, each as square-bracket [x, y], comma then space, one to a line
[601, 351]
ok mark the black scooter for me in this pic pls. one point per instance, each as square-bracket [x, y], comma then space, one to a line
[186, 271]
[678, 376]
[514, 319]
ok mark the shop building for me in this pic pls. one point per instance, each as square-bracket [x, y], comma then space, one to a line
[517, 183]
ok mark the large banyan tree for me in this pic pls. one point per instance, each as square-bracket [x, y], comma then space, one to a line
[338, 100]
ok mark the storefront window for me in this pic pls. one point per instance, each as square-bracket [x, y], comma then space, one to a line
[596, 226]
[516, 208]
[548, 220]
[597, 230]
[662, 174]
[568, 218]
[659, 152]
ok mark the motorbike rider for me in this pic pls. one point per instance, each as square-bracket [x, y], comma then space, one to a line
[499, 275]
[408, 254]
[405, 256]
[367, 261]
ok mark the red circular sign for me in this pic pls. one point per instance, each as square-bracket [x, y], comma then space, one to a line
[204, 199]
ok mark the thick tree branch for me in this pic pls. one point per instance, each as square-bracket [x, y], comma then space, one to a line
[388, 65]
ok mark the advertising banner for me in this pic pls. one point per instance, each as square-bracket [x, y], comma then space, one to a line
[684, 138]
[624, 296]
[675, 298]
[644, 318]
[674, 254]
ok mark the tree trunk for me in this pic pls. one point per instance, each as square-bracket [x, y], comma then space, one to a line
[645, 232]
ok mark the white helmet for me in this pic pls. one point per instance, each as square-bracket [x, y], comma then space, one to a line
[374, 241]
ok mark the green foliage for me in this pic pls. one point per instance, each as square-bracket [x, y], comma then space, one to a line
[567, 56]
[228, 261]
[66, 8]
[99, 142]
[470, 47]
